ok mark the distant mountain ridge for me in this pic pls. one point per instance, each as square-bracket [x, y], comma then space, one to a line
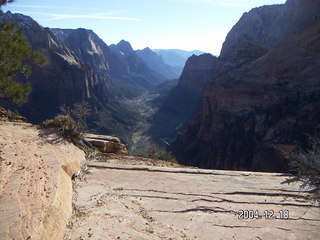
[176, 57]
[156, 63]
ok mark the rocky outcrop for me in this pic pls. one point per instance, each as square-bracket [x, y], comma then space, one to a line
[258, 108]
[156, 63]
[9, 116]
[107, 144]
[35, 183]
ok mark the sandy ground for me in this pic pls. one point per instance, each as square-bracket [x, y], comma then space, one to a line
[129, 198]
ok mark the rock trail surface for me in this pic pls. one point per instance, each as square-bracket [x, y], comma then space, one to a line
[125, 197]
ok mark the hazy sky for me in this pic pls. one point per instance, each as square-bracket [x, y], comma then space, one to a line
[182, 24]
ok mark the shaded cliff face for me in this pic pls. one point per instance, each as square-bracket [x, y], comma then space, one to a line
[64, 80]
[156, 63]
[137, 71]
[177, 107]
[197, 73]
[255, 113]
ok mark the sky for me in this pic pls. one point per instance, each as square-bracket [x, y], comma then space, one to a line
[158, 24]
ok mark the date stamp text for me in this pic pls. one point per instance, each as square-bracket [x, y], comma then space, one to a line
[268, 214]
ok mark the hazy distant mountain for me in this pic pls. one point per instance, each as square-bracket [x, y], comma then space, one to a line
[137, 70]
[176, 57]
[156, 63]
[123, 49]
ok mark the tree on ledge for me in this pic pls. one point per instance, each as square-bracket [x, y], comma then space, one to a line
[15, 53]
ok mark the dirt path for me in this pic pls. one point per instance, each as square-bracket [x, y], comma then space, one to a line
[129, 198]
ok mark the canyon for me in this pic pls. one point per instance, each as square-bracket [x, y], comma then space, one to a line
[244, 110]
[231, 121]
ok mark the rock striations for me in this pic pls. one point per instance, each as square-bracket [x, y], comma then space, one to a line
[264, 100]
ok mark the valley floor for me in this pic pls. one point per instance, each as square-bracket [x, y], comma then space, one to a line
[133, 198]
[144, 109]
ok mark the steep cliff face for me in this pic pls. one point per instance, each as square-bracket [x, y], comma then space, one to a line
[255, 113]
[254, 34]
[137, 71]
[197, 73]
[156, 63]
[89, 48]
[64, 80]
[179, 105]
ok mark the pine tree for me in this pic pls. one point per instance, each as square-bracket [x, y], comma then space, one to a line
[15, 53]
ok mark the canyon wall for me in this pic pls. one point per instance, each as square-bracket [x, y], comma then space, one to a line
[264, 101]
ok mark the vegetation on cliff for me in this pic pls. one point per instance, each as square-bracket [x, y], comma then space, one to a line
[71, 123]
[306, 167]
[15, 54]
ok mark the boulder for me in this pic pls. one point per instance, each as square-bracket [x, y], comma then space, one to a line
[107, 144]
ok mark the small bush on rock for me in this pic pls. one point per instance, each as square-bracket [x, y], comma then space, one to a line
[71, 124]
[66, 127]
[306, 167]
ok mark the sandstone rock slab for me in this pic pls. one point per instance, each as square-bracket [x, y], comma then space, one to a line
[35, 183]
[106, 144]
[123, 200]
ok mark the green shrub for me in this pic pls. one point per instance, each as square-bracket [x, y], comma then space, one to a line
[306, 167]
[66, 127]
[154, 152]
[71, 123]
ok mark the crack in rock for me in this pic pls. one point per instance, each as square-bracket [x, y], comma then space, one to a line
[146, 196]
[256, 203]
[199, 209]
[223, 199]
[229, 226]
[263, 194]
[192, 171]
[174, 193]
